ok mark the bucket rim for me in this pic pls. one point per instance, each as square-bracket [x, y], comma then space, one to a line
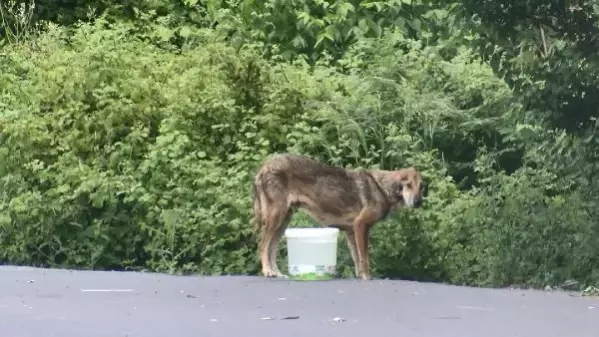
[311, 232]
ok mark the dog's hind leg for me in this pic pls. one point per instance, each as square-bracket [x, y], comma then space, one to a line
[275, 218]
[274, 243]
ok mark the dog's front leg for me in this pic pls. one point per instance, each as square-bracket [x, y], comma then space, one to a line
[362, 226]
[350, 237]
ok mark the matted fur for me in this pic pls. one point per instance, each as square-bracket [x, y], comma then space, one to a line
[351, 200]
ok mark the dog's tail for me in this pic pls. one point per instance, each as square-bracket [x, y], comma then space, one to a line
[257, 218]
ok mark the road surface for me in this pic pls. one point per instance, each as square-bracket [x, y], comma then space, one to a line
[61, 303]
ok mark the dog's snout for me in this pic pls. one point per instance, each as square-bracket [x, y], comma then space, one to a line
[418, 203]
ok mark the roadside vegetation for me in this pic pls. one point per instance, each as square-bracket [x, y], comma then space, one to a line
[129, 134]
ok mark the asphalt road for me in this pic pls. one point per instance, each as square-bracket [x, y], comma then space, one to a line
[41, 302]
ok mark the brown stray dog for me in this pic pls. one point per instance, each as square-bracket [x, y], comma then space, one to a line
[350, 200]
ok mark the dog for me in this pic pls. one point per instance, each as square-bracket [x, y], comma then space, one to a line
[347, 199]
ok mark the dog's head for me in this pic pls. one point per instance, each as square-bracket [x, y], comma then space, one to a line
[410, 187]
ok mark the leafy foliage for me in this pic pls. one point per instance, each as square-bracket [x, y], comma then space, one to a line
[128, 138]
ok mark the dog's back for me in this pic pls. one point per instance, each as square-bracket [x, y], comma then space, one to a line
[331, 195]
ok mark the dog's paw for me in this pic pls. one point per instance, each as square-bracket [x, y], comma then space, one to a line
[273, 274]
[364, 277]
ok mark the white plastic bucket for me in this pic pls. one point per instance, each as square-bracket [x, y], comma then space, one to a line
[312, 253]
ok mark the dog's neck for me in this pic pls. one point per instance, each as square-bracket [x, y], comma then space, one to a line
[384, 179]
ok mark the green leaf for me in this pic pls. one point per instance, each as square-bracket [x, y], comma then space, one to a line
[165, 33]
[185, 31]
[363, 24]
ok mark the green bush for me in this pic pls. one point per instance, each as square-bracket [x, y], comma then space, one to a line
[121, 154]
[120, 151]
[124, 155]
[523, 229]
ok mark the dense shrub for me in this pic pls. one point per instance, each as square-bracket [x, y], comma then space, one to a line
[123, 149]
[120, 154]
[519, 231]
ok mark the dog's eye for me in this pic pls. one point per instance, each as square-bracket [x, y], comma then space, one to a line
[409, 186]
